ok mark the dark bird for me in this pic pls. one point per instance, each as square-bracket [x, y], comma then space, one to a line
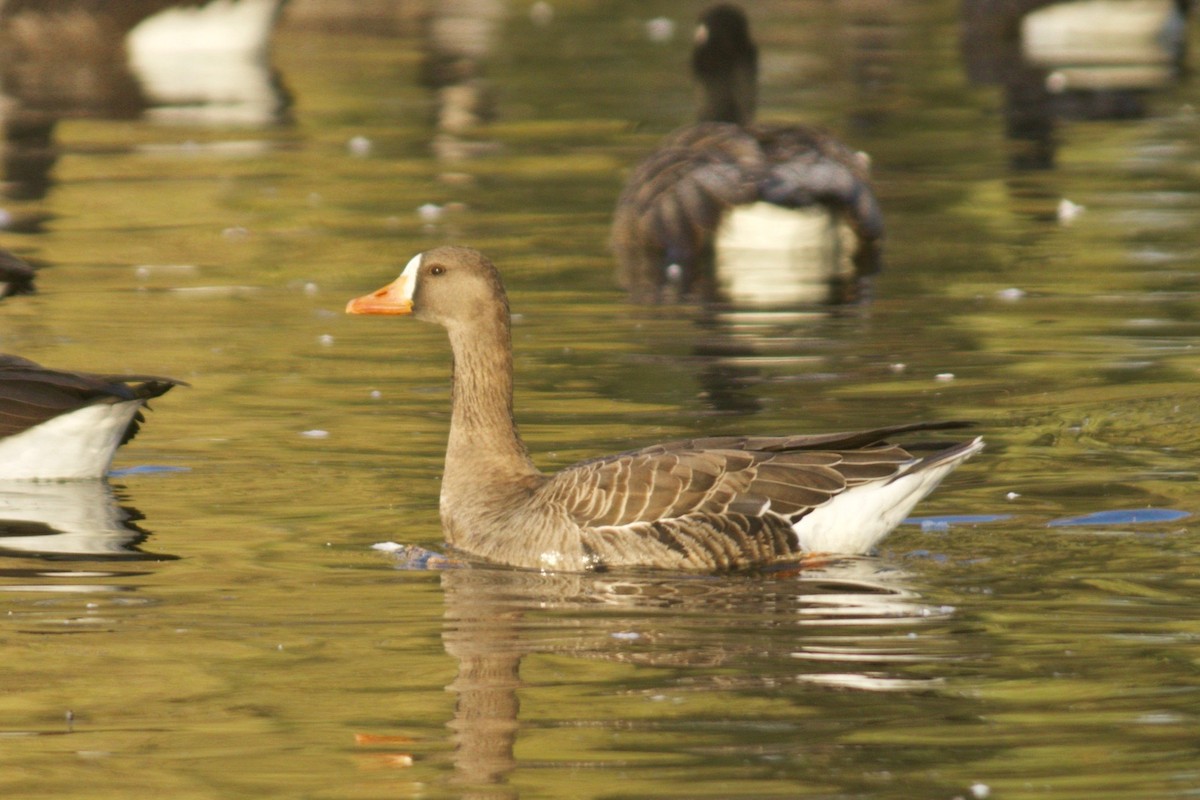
[726, 172]
[60, 425]
[717, 503]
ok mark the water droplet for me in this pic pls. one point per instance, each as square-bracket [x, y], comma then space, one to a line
[660, 29]
[541, 14]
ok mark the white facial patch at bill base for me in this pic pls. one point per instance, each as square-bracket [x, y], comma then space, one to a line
[408, 278]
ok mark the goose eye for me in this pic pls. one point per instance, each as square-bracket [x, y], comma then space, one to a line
[437, 270]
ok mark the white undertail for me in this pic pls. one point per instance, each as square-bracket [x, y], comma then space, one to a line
[856, 520]
[71, 446]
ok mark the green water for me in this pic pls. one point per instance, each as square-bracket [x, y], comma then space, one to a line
[264, 649]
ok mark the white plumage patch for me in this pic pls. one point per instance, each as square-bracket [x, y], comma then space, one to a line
[768, 255]
[856, 520]
[71, 446]
[409, 276]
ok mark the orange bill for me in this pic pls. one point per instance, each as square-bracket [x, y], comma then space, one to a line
[395, 298]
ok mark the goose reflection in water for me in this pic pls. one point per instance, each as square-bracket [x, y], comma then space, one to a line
[458, 41]
[201, 62]
[69, 520]
[1090, 59]
[844, 623]
[740, 349]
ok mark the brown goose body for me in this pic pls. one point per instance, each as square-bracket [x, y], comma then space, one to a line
[666, 223]
[702, 504]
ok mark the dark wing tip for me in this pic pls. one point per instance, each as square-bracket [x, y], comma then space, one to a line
[16, 276]
[154, 387]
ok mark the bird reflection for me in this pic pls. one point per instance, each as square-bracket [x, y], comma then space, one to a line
[843, 623]
[206, 60]
[458, 42]
[69, 520]
[740, 348]
[1079, 60]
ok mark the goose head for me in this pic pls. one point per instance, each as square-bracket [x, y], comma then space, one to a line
[725, 63]
[454, 287]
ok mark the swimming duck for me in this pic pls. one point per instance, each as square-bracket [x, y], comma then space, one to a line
[726, 176]
[711, 504]
[60, 425]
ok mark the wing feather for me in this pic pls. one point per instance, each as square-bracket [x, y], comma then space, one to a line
[721, 501]
[31, 394]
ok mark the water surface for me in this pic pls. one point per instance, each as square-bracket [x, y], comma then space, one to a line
[229, 631]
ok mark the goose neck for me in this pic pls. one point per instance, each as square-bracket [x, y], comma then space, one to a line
[483, 433]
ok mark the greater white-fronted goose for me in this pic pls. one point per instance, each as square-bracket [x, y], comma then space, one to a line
[60, 425]
[725, 173]
[704, 504]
